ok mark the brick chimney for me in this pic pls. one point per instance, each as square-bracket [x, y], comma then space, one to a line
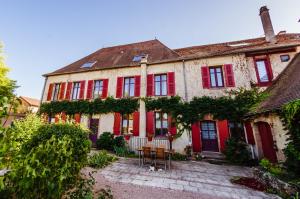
[267, 24]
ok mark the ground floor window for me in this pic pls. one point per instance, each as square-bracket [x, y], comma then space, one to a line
[236, 130]
[127, 123]
[161, 124]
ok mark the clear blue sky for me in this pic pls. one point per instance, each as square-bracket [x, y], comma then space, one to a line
[42, 36]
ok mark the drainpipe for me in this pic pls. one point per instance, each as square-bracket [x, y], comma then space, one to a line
[184, 82]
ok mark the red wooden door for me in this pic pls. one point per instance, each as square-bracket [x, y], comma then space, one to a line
[267, 141]
[209, 136]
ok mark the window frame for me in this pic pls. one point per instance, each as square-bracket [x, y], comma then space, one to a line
[160, 84]
[268, 71]
[161, 134]
[78, 91]
[94, 87]
[216, 76]
[285, 55]
[129, 85]
[56, 91]
[209, 130]
[130, 118]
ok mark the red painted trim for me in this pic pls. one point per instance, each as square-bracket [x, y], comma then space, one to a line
[62, 90]
[249, 133]
[137, 85]
[105, 88]
[150, 86]
[205, 77]
[171, 83]
[196, 138]
[119, 88]
[171, 126]
[117, 124]
[136, 123]
[150, 123]
[69, 90]
[267, 61]
[50, 89]
[82, 89]
[229, 75]
[89, 94]
[223, 133]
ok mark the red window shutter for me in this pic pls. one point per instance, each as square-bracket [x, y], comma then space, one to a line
[82, 89]
[117, 124]
[62, 90]
[50, 89]
[269, 68]
[171, 126]
[150, 88]
[150, 122]
[196, 139]
[223, 133]
[56, 118]
[136, 123]
[171, 84]
[64, 116]
[137, 86]
[105, 88]
[205, 77]
[119, 87]
[229, 76]
[69, 90]
[77, 118]
[90, 89]
[249, 133]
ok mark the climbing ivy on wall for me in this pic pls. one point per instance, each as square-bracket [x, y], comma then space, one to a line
[290, 115]
[98, 106]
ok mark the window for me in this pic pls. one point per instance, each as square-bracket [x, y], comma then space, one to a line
[284, 58]
[208, 130]
[262, 71]
[137, 58]
[161, 123]
[127, 123]
[55, 92]
[160, 85]
[76, 90]
[98, 89]
[88, 64]
[236, 130]
[216, 76]
[128, 87]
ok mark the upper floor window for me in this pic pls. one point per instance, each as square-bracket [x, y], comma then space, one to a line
[128, 87]
[98, 89]
[76, 91]
[263, 71]
[161, 123]
[55, 93]
[284, 58]
[160, 82]
[216, 76]
[127, 123]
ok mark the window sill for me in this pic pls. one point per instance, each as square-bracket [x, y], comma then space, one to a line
[160, 137]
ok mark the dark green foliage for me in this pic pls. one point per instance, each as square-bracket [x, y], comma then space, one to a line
[179, 157]
[105, 193]
[105, 141]
[48, 164]
[101, 159]
[98, 106]
[121, 151]
[119, 141]
[236, 151]
[291, 120]
[83, 188]
[274, 169]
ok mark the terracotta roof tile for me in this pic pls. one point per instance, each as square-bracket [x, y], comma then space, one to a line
[31, 101]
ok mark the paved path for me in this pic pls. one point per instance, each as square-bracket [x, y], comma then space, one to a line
[198, 177]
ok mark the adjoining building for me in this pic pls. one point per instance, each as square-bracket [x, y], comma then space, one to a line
[152, 69]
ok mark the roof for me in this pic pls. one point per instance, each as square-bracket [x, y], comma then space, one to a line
[31, 101]
[241, 46]
[122, 56]
[284, 89]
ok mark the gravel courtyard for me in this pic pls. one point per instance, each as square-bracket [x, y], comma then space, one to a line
[186, 180]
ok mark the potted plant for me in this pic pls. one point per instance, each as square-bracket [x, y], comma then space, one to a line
[150, 137]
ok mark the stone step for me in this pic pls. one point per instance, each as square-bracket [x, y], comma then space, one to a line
[212, 155]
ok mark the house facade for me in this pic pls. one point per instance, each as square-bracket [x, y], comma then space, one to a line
[151, 69]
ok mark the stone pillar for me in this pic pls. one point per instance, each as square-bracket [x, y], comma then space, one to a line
[143, 94]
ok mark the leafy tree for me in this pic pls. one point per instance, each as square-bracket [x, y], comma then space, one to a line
[8, 101]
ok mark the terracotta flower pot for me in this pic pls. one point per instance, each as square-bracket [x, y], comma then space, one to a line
[150, 138]
[127, 137]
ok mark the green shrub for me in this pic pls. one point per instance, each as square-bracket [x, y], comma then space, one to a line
[83, 188]
[179, 157]
[236, 151]
[101, 159]
[49, 163]
[105, 141]
[121, 151]
[105, 193]
[119, 141]
[272, 168]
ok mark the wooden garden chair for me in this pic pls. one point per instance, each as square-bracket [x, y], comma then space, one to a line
[160, 155]
[146, 154]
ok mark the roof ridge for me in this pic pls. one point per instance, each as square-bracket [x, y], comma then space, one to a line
[130, 44]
